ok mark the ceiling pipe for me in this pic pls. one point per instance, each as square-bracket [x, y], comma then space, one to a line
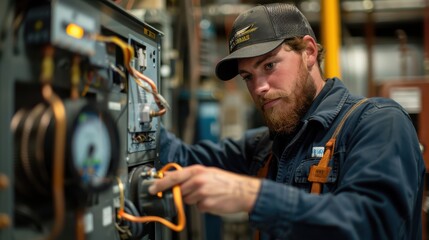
[382, 5]
[331, 37]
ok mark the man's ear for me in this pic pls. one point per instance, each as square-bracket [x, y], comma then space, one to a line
[311, 51]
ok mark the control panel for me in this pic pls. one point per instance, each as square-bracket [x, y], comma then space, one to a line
[81, 109]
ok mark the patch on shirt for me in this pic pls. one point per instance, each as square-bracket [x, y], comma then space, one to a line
[317, 151]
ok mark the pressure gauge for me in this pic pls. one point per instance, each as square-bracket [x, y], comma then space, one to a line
[91, 149]
[91, 156]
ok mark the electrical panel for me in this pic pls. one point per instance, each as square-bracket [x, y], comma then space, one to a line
[142, 129]
[80, 122]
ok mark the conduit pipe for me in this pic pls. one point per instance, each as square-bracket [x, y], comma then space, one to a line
[331, 37]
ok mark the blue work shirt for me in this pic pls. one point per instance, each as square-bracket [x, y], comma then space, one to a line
[375, 187]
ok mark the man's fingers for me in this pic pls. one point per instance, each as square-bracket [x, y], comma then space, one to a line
[171, 179]
[166, 182]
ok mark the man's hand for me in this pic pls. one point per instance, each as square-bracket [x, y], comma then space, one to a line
[211, 189]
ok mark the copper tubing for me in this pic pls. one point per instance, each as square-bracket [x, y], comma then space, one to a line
[44, 122]
[16, 119]
[25, 147]
[58, 158]
[162, 109]
[128, 52]
[46, 77]
[145, 78]
[75, 78]
[80, 225]
[47, 68]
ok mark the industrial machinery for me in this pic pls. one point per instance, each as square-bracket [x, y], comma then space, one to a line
[80, 124]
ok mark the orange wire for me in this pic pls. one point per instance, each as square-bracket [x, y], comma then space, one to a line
[128, 52]
[169, 166]
[80, 225]
[177, 196]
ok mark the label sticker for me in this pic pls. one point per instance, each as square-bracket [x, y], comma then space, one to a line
[317, 151]
[89, 222]
[107, 216]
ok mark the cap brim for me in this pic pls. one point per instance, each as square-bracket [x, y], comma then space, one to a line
[227, 68]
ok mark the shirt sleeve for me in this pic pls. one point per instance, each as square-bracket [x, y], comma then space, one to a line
[229, 154]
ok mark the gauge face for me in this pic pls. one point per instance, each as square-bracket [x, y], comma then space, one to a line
[91, 149]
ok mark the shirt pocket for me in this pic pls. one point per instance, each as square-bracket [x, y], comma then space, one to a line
[303, 170]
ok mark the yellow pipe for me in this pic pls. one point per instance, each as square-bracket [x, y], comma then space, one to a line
[331, 37]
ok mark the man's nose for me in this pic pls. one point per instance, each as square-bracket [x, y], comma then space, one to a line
[261, 85]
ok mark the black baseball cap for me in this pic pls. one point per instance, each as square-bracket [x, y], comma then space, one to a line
[260, 30]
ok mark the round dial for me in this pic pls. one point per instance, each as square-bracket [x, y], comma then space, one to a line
[91, 149]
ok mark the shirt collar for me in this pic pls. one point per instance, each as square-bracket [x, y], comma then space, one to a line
[328, 103]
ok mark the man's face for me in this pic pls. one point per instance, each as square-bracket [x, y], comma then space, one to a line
[280, 85]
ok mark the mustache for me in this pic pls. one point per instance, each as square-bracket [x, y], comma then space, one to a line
[270, 97]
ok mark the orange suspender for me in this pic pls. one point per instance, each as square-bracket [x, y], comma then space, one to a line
[319, 173]
[263, 171]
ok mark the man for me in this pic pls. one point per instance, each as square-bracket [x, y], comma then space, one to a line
[373, 184]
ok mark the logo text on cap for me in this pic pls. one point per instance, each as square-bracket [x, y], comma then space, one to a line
[241, 36]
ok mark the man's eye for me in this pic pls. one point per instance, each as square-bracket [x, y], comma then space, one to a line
[246, 77]
[269, 66]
